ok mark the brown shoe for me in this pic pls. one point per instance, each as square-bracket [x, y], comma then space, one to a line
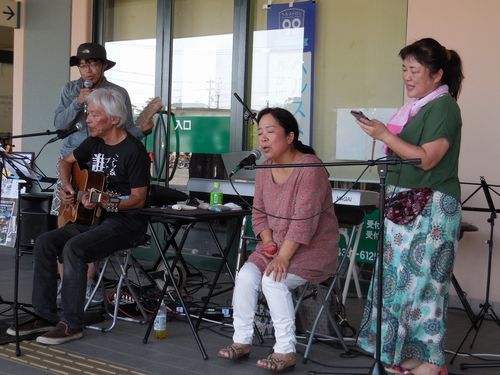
[278, 362]
[60, 334]
[235, 351]
[30, 326]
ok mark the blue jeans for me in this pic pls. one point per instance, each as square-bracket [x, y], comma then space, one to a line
[76, 245]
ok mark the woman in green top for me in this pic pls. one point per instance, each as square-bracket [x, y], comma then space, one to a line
[419, 246]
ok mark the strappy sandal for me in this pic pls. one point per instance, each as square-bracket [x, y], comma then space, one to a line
[395, 369]
[234, 352]
[442, 371]
[273, 363]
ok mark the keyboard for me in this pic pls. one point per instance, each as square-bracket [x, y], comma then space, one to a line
[247, 189]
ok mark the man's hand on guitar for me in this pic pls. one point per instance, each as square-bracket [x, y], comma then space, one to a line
[67, 194]
[107, 200]
[86, 201]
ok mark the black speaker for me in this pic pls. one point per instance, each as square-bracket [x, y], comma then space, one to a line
[34, 217]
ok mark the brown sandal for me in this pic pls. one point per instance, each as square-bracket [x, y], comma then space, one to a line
[396, 369]
[285, 362]
[235, 352]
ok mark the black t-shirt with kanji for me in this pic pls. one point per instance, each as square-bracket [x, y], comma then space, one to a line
[125, 165]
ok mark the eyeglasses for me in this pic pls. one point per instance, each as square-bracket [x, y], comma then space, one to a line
[92, 65]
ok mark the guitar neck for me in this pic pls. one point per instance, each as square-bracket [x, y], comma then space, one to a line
[101, 197]
[98, 197]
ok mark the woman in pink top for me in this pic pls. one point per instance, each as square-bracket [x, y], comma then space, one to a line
[293, 216]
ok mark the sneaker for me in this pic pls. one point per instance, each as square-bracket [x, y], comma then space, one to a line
[60, 334]
[97, 296]
[32, 325]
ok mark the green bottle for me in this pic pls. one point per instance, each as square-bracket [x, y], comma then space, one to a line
[216, 194]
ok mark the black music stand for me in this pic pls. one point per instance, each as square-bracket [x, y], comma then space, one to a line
[28, 176]
[486, 307]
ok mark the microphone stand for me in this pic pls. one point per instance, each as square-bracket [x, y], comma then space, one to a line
[47, 132]
[249, 112]
[381, 164]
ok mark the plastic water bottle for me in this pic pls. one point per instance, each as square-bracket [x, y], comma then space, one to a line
[216, 194]
[160, 324]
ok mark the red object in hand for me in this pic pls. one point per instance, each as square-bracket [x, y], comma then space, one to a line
[271, 249]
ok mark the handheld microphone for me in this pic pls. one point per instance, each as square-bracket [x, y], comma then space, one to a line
[88, 84]
[413, 161]
[249, 160]
[61, 134]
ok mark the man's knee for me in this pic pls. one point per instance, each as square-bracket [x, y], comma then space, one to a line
[43, 246]
[73, 252]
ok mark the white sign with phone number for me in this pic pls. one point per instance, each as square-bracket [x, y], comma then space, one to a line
[362, 256]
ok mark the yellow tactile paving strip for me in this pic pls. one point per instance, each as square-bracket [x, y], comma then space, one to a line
[56, 361]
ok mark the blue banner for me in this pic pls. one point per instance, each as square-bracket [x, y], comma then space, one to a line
[299, 15]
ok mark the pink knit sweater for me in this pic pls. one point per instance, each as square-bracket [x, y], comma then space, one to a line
[306, 192]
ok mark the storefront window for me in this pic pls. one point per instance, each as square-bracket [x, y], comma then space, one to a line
[311, 58]
[201, 84]
[130, 41]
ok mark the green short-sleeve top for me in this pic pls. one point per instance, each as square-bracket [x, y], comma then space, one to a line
[438, 119]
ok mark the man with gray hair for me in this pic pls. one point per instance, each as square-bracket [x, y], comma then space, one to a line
[92, 62]
[123, 160]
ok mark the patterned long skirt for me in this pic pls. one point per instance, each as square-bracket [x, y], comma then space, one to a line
[418, 263]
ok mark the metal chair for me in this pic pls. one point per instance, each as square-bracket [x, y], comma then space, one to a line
[159, 195]
[348, 217]
[124, 260]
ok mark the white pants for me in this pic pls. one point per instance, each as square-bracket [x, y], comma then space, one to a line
[279, 300]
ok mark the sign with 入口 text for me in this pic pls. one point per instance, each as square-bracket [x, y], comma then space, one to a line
[198, 134]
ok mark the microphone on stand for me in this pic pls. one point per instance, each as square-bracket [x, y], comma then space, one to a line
[249, 160]
[61, 134]
[249, 111]
[88, 84]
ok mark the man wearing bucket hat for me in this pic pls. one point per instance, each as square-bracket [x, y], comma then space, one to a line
[91, 60]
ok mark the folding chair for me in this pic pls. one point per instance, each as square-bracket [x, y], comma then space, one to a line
[158, 196]
[348, 216]
[124, 260]
[246, 236]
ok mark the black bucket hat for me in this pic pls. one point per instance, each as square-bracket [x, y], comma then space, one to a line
[87, 51]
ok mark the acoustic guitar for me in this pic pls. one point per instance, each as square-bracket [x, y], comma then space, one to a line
[84, 181]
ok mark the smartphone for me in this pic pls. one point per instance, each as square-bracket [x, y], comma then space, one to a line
[359, 115]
